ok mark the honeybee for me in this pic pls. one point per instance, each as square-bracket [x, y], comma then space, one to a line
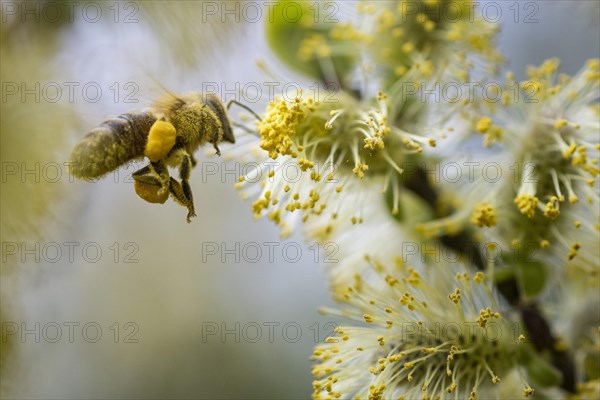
[167, 134]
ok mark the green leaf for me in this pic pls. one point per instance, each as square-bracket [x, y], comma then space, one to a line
[532, 277]
[411, 209]
[288, 24]
[503, 274]
[591, 366]
[539, 370]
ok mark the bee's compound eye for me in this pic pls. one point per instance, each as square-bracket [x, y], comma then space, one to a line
[151, 193]
[228, 132]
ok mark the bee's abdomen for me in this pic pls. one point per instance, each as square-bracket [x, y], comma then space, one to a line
[110, 145]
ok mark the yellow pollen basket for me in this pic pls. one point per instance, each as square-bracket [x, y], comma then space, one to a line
[150, 193]
[161, 140]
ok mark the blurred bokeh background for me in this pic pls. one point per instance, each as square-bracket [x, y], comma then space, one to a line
[160, 296]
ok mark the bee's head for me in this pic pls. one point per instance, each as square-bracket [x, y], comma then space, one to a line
[217, 106]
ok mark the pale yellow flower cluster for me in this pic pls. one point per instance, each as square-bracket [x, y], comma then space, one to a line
[363, 183]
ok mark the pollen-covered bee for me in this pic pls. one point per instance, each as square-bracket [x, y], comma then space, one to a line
[168, 134]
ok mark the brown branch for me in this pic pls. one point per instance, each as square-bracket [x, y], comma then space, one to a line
[538, 328]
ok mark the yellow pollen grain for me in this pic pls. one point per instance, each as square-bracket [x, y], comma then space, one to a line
[560, 123]
[526, 204]
[484, 215]
[573, 250]
[397, 32]
[408, 47]
[400, 70]
[429, 26]
[551, 211]
[484, 124]
[479, 277]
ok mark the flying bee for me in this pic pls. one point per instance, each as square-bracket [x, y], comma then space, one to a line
[167, 134]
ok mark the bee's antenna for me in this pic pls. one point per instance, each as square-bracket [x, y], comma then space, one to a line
[245, 128]
[245, 107]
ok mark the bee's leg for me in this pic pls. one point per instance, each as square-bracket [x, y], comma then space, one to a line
[141, 173]
[155, 174]
[162, 174]
[217, 149]
[144, 175]
[179, 195]
[194, 162]
[183, 192]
